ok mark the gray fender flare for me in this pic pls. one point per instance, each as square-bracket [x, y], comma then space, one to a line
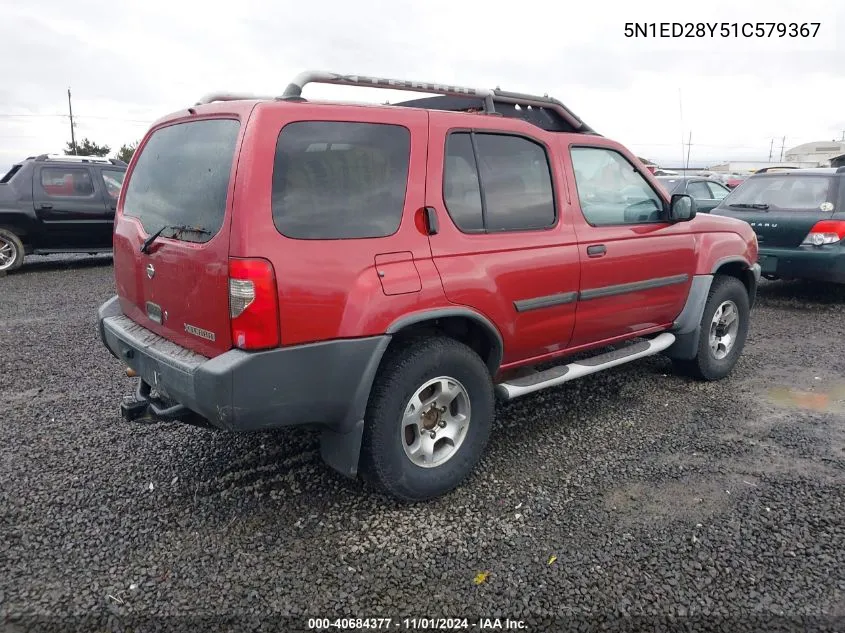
[687, 328]
[340, 447]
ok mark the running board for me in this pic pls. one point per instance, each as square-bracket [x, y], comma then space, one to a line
[564, 373]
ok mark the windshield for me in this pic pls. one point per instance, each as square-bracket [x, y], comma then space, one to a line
[795, 193]
[182, 178]
[10, 174]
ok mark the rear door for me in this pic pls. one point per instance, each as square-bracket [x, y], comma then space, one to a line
[506, 246]
[184, 175]
[782, 208]
[70, 205]
[636, 268]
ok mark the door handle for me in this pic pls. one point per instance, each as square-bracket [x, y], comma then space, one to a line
[45, 206]
[596, 250]
[431, 223]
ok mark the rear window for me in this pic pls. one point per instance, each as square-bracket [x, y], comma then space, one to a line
[787, 192]
[337, 180]
[182, 178]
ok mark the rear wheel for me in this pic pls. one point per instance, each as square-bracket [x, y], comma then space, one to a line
[722, 332]
[11, 251]
[428, 419]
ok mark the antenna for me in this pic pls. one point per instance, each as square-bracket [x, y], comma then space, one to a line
[782, 144]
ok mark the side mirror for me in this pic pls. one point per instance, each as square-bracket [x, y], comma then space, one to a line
[682, 208]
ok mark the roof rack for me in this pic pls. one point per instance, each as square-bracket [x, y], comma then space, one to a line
[544, 111]
[79, 159]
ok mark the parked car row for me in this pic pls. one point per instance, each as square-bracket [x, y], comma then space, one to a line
[797, 214]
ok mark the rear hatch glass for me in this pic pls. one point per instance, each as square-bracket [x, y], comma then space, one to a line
[179, 287]
[782, 208]
[181, 179]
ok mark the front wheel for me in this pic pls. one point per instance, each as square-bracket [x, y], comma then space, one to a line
[429, 418]
[722, 332]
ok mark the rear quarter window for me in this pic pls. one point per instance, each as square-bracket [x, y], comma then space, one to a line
[339, 180]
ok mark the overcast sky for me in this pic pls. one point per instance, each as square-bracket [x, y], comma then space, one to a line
[128, 63]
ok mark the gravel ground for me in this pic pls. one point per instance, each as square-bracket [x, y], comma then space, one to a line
[718, 506]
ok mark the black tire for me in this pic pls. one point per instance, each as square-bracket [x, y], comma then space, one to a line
[705, 365]
[13, 243]
[405, 369]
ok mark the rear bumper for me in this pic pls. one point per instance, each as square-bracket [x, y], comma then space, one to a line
[326, 384]
[826, 263]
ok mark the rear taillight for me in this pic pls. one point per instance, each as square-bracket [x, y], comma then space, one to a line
[253, 304]
[826, 232]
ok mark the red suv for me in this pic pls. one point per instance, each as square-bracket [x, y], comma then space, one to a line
[384, 272]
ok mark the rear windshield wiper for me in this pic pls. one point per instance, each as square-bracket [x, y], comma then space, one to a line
[743, 205]
[177, 228]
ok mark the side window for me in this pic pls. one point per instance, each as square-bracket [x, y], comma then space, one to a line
[718, 191]
[699, 190]
[113, 180]
[611, 191]
[461, 190]
[337, 180]
[515, 179]
[67, 182]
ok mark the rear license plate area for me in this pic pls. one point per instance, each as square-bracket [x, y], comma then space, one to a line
[768, 264]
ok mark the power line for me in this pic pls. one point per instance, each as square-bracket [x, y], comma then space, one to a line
[78, 116]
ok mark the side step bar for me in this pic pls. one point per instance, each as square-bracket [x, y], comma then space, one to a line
[564, 373]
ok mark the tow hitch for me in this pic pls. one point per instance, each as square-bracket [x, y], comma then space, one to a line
[143, 404]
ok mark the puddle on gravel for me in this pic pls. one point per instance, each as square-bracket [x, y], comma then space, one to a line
[826, 398]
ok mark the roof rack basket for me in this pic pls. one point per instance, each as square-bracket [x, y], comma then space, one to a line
[544, 111]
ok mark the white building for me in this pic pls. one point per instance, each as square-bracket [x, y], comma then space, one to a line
[748, 166]
[818, 153]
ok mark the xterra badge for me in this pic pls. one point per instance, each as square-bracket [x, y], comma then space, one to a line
[198, 331]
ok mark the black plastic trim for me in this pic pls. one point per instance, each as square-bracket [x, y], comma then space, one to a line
[493, 362]
[729, 260]
[547, 301]
[621, 289]
[687, 326]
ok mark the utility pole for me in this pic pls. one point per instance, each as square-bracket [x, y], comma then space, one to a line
[771, 147]
[681, 111]
[72, 133]
[782, 144]
[689, 146]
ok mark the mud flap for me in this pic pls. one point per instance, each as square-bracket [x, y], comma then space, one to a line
[342, 451]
